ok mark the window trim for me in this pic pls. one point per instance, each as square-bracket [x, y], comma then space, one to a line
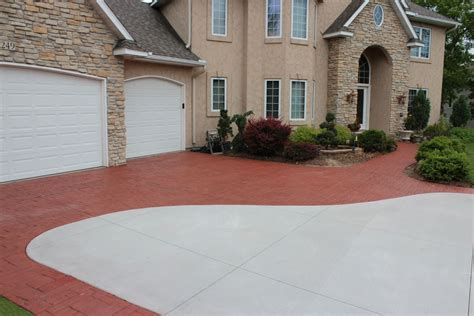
[281, 20]
[212, 93]
[421, 39]
[226, 19]
[307, 21]
[265, 100]
[305, 99]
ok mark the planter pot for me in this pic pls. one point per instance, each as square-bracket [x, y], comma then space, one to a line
[406, 135]
[415, 138]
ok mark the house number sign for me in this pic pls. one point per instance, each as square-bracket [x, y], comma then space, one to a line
[8, 45]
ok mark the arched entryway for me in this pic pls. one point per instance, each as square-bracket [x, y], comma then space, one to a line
[374, 89]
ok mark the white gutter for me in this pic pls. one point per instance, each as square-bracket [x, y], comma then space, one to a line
[431, 20]
[190, 20]
[114, 20]
[339, 34]
[150, 57]
[404, 17]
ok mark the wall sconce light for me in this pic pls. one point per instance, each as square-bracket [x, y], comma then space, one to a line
[350, 98]
[401, 99]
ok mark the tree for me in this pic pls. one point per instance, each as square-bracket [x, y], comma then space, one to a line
[458, 58]
[461, 112]
[223, 126]
[419, 114]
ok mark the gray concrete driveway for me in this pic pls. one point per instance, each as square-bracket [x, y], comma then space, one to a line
[409, 255]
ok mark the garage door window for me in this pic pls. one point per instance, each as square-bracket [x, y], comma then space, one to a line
[219, 94]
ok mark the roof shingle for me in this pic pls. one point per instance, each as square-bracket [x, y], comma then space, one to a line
[150, 29]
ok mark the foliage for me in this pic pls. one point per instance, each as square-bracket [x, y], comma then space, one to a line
[327, 139]
[223, 126]
[330, 123]
[240, 120]
[419, 114]
[266, 137]
[447, 166]
[439, 145]
[461, 112]
[300, 151]
[470, 156]
[343, 135]
[464, 134]
[11, 309]
[376, 141]
[304, 134]
[442, 128]
[458, 61]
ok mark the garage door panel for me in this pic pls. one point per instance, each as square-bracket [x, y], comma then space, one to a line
[153, 116]
[52, 122]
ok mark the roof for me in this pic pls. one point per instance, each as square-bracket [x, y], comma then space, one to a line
[417, 11]
[420, 10]
[151, 31]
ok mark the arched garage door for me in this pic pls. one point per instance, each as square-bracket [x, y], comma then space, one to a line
[153, 116]
[50, 122]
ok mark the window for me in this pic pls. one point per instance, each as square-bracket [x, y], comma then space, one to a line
[272, 98]
[299, 19]
[298, 100]
[424, 35]
[274, 18]
[412, 93]
[378, 15]
[219, 17]
[219, 94]
[364, 70]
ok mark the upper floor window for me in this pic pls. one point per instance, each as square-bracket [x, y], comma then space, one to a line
[218, 94]
[424, 35]
[298, 100]
[274, 18]
[378, 15]
[219, 17]
[299, 19]
[272, 98]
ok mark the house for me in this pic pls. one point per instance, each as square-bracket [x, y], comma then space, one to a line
[89, 83]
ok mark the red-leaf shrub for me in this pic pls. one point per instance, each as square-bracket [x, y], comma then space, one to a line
[266, 137]
[300, 151]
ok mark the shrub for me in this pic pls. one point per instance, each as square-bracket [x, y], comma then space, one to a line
[327, 139]
[446, 166]
[439, 145]
[419, 114]
[223, 126]
[442, 128]
[299, 151]
[465, 134]
[461, 112]
[344, 134]
[304, 134]
[240, 120]
[376, 141]
[266, 137]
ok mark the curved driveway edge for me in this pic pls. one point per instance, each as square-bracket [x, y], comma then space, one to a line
[30, 208]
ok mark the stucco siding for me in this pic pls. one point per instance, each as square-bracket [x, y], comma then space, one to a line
[428, 74]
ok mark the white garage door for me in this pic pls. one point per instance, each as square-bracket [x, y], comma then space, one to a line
[153, 115]
[50, 122]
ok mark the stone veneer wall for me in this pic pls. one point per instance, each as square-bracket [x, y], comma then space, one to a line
[68, 35]
[344, 54]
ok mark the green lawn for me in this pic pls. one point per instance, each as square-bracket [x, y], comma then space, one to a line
[470, 153]
[8, 308]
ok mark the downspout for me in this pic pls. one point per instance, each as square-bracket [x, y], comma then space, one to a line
[190, 20]
[193, 102]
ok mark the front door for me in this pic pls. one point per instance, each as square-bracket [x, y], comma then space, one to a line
[362, 106]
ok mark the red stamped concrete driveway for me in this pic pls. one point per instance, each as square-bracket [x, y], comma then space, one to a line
[30, 208]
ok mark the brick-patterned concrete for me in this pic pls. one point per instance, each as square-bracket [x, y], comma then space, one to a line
[29, 208]
[68, 35]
